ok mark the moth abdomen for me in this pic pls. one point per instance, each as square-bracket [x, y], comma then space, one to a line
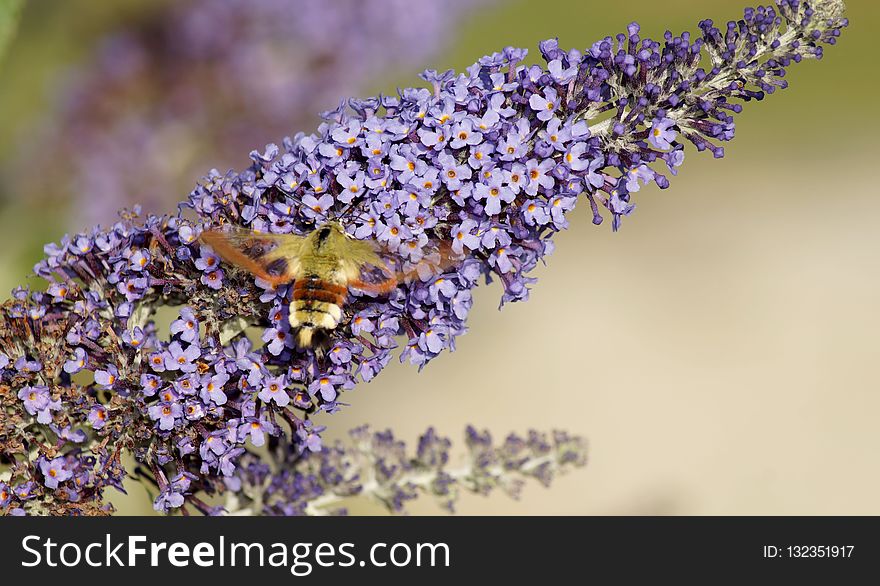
[318, 295]
[316, 304]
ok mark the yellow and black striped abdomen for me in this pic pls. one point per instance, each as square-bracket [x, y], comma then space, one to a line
[315, 304]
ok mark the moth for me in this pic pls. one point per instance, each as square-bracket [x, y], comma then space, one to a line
[322, 265]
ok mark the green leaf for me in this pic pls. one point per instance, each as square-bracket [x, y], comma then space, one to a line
[10, 10]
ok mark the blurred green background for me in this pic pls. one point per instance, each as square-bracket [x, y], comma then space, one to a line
[720, 352]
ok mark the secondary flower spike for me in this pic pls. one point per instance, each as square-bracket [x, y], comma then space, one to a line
[378, 466]
[487, 163]
[196, 84]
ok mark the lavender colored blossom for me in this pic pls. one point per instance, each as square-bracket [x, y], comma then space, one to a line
[274, 390]
[106, 378]
[187, 326]
[190, 402]
[166, 414]
[54, 472]
[172, 495]
[34, 399]
[661, 136]
[98, 416]
[37, 400]
[77, 362]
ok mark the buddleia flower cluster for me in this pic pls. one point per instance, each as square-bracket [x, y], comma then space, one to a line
[377, 466]
[193, 84]
[486, 164]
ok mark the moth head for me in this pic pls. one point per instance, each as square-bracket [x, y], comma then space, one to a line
[324, 233]
[329, 235]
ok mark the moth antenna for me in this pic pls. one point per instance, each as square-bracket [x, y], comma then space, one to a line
[352, 207]
[342, 214]
[324, 217]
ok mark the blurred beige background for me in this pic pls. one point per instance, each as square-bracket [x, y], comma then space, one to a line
[721, 352]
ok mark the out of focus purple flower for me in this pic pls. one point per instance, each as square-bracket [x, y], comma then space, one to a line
[317, 483]
[196, 84]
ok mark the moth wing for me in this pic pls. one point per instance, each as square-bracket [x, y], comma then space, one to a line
[357, 254]
[431, 265]
[271, 257]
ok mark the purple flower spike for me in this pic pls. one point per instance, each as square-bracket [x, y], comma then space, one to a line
[464, 181]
